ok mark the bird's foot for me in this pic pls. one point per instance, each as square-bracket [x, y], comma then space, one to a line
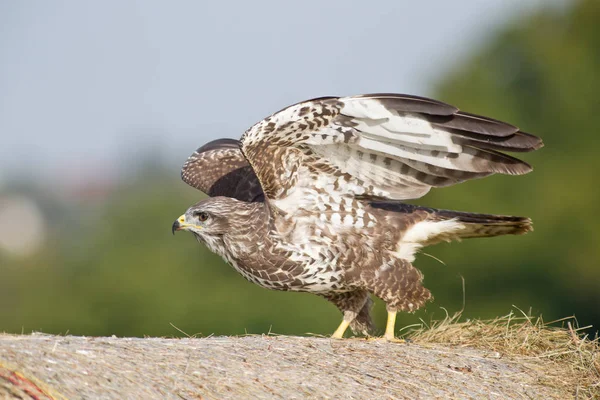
[388, 339]
[394, 339]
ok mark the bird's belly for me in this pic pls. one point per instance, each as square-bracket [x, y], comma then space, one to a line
[319, 278]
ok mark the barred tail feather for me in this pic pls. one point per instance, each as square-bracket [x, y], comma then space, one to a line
[445, 226]
[485, 225]
[433, 226]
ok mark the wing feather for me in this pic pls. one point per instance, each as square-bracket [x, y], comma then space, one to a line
[385, 145]
[474, 123]
[518, 142]
[409, 103]
[219, 168]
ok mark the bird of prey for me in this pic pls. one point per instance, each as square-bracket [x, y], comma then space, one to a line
[310, 199]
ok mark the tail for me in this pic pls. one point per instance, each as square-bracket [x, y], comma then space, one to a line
[445, 225]
[484, 225]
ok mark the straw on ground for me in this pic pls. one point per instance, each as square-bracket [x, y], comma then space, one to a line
[509, 357]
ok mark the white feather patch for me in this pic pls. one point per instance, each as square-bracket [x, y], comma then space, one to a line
[422, 232]
[410, 131]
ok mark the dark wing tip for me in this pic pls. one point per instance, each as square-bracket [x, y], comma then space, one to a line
[475, 124]
[520, 169]
[535, 142]
[519, 142]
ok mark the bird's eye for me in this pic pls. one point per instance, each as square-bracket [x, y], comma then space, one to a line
[202, 216]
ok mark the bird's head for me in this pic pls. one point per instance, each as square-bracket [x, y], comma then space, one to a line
[207, 219]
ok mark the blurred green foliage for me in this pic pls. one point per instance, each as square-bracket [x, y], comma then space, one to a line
[114, 268]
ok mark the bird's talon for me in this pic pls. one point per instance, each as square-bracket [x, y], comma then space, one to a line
[396, 340]
[387, 339]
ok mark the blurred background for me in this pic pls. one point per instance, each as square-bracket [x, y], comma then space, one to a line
[102, 102]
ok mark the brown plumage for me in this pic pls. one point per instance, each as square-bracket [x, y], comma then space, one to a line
[310, 198]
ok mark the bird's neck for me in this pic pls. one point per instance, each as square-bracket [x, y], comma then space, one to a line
[249, 227]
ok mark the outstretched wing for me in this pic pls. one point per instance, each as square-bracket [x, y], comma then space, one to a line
[220, 169]
[386, 145]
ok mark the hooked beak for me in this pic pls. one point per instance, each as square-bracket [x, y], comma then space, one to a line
[179, 224]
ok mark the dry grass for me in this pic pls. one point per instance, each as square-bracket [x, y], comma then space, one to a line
[575, 356]
[515, 357]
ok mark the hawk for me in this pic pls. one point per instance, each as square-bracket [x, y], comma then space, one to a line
[310, 199]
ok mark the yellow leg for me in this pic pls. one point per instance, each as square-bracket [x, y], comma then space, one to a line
[339, 332]
[389, 328]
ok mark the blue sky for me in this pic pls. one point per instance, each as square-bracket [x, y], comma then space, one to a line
[84, 84]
